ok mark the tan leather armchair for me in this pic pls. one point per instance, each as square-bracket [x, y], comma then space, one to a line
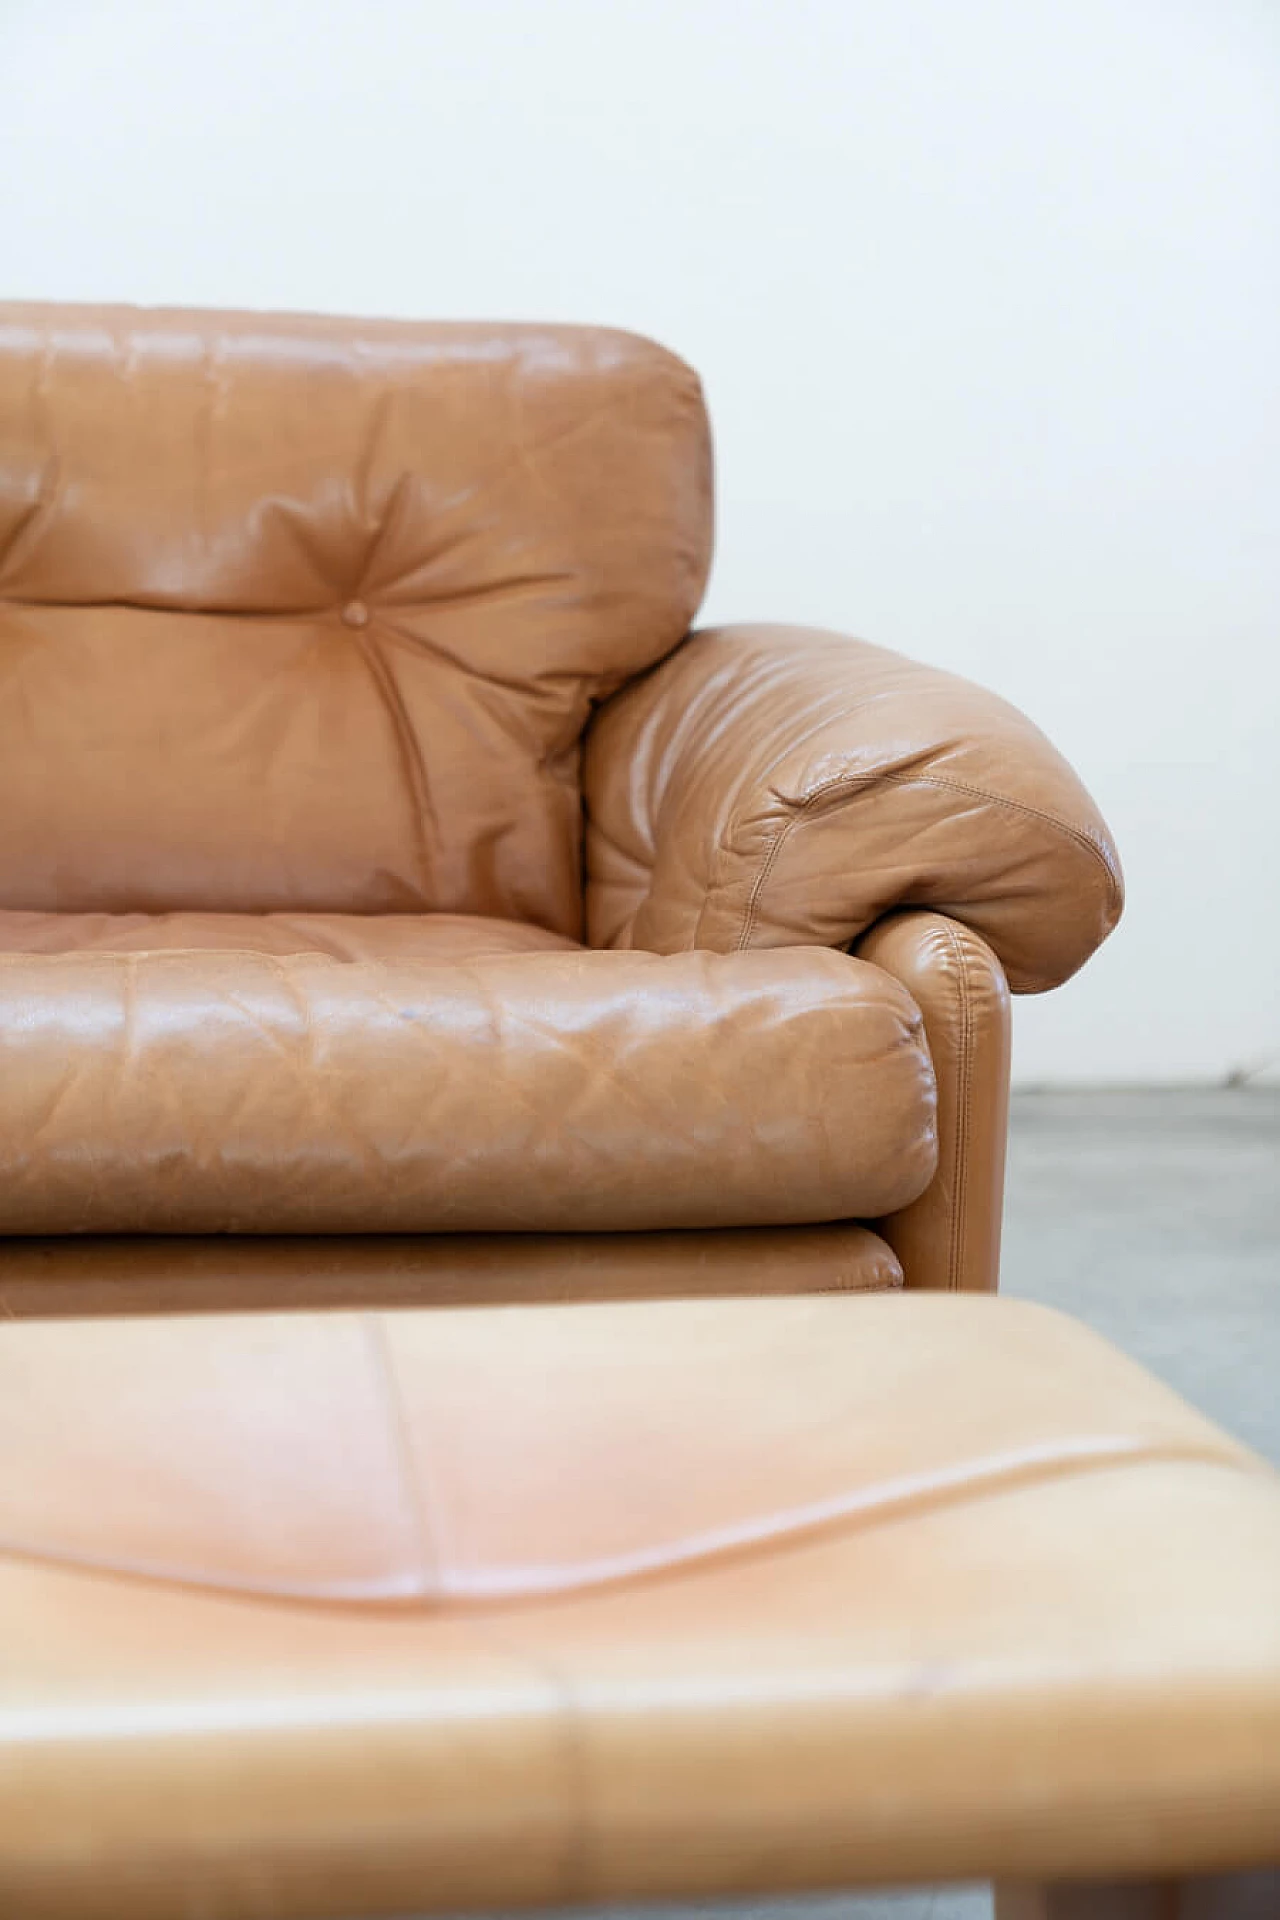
[398, 902]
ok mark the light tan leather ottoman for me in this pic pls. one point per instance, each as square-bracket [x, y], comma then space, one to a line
[342, 1614]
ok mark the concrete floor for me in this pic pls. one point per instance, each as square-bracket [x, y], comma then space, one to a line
[1155, 1217]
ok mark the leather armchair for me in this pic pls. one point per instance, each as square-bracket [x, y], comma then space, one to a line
[398, 902]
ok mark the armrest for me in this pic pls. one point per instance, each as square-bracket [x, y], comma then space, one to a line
[779, 786]
[949, 1237]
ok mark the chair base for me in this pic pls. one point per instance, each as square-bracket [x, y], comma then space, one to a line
[1218, 1896]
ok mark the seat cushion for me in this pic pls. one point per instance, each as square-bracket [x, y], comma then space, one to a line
[538, 1607]
[307, 614]
[80, 1276]
[247, 1092]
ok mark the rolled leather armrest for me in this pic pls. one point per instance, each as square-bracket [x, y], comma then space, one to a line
[773, 786]
[948, 1238]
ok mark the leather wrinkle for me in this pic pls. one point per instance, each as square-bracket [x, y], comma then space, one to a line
[414, 1491]
[523, 445]
[31, 521]
[300, 530]
[377, 433]
[905, 1499]
[409, 749]
[307, 1073]
[596, 1064]
[886, 1504]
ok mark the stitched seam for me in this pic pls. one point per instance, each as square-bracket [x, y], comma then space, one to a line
[1082, 836]
[850, 783]
[960, 1159]
[753, 904]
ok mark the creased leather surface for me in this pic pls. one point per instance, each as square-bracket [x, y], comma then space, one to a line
[777, 786]
[430, 1456]
[1072, 1668]
[302, 614]
[236, 1092]
[950, 1236]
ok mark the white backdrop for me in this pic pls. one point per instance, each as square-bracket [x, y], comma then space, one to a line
[986, 299]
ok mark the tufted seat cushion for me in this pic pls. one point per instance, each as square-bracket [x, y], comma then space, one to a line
[225, 1090]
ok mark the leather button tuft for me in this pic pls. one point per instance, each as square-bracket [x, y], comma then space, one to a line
[355, 614]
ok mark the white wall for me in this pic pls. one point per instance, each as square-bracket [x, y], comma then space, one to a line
[986, 297]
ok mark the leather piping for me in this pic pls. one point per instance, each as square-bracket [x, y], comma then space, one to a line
[960, 1158]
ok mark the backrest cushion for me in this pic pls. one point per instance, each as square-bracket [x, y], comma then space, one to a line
[309, 614]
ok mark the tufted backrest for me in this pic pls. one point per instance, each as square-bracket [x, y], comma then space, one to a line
[309, 614]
